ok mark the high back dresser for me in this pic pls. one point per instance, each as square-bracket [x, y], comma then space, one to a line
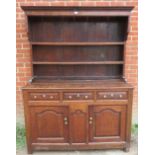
[78, 97]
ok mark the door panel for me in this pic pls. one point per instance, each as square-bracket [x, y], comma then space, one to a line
[107, 123]
[49, 124]
[78, 123]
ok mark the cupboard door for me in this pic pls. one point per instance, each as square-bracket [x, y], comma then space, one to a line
[107, 123]
[78, 123]
[49, 124]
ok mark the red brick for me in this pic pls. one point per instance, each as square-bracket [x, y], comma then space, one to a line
[88, 3]
[26, 45]
[20, 65]
[100, 3]
[57, 3]
[20, 74]
[73, 3]
[45, 3]
[117, 3]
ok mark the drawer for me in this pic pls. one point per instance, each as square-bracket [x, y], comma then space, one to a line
[78, 96]
[112, 95]
[44, 96]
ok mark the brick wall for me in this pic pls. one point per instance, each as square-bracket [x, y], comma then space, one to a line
[23, 46]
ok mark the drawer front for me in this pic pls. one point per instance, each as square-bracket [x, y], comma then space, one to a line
[78, 96]
[44, 96]
[112, 95]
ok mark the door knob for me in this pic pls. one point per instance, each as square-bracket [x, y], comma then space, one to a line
[90, 118]
[65, 120]
[66, 123]
[90, 122]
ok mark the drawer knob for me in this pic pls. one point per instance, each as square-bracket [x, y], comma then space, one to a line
[86, 97]
[76, 12]
[35, 96]
[70, 97]
[112, 95]
[120, 96]
[78, 95]
[51, 97]
[44, 95]
[105, 96]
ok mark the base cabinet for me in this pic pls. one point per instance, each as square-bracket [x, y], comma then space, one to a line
[70, 120]
[53, 124]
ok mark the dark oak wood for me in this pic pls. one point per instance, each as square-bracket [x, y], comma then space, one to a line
[76, 43]
[107, 123]
[83, 119]
[82, 11]
[78, 63]
[93, 30]
[78, 98]
[48, 124]
[78, 123]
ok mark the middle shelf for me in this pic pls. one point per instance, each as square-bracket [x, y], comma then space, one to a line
[77, 43]
[78, 63]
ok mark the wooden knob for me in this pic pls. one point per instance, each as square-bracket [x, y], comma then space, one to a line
[90, 122]
[76, 12]
[65, 118]
[35, 96]
[65, 122]
[44, 95]
[51, 97]
[120, 96]
[105, 96]
[86, 97]
[70, 97]
[78, 95]
[91, 118]
[112, 95]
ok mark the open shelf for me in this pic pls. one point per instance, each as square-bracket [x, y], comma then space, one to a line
[49, 79]
[77, 48]
[77, 43]
[77, 29]
[77, 71]
[79, 63]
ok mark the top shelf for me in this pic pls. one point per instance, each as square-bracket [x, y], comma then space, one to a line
[77, 43]
[77, 11]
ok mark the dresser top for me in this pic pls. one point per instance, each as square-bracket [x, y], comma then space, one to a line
[101, 84]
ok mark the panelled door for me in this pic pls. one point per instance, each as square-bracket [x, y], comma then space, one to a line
[49, 124]
[107, 123]
[78, 123]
